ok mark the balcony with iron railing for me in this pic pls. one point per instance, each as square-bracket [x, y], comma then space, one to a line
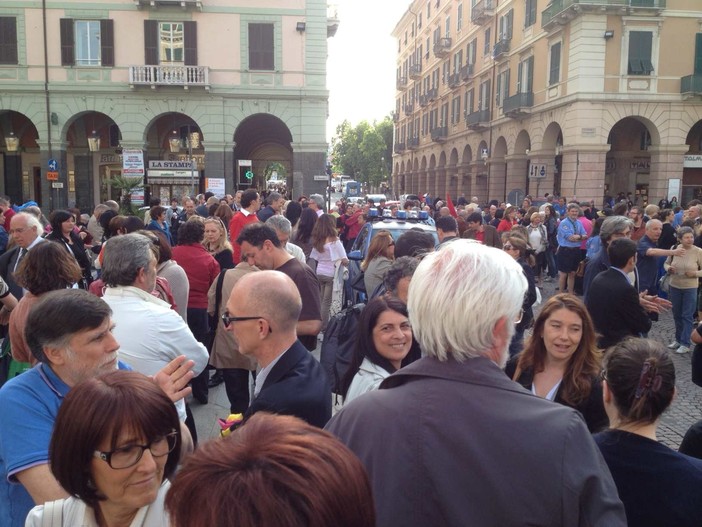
[423, 100]
[399, 148]
[432, 94]
[454, 80]
[415, 71]
[442, 47]
[560, 12]
[401, 83]
[518, 105]
[168, 75]
[395, 117]
[413, 143]
[691, 84]
[439, 134]
[482, 11]
[501, 48]
[408, 108]
[184, 4]
[332, 20]
[478, 120]
[466, 72]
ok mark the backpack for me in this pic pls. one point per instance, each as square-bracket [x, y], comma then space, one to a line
[337, 346]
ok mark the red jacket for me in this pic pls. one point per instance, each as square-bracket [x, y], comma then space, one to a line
[236, 225]
[353, 225]
[201, 269]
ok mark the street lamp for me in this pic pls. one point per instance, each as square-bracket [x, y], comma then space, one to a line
[94, 142]
[12, 142]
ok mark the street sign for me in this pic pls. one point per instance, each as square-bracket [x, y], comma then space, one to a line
[56, 184]
[53, 165]
[321, 178]
[537, 171]
[52, 176]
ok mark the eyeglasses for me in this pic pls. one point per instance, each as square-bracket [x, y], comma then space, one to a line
[509, 247]
[227, 319]
[128, 456]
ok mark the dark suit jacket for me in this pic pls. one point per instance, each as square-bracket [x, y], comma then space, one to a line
[491, 237]
[297, 385]
[7, 266]
[591, 408]
[614, 306]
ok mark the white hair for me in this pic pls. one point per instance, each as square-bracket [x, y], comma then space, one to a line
[32, 221]
[458, 294]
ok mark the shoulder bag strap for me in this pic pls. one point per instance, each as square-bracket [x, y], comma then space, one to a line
[53, 514]
[218, 294]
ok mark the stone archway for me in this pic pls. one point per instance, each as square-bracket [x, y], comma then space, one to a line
[19, 154]
[498, 170]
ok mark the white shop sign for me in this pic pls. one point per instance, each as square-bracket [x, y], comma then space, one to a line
[692, 161]
[171, 165]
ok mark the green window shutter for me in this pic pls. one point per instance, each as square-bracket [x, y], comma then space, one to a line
[190, 43]
[107, 44]
[151, 42]
[555, 70]
[8, 40]
[698, 54]
[67, 49]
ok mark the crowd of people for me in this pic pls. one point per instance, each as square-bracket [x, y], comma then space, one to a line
[461, 403]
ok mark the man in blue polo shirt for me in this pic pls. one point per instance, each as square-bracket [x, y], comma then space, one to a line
[571, 234]
[650, 256]
[70, 333]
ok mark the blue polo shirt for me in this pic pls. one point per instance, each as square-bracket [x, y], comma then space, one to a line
[647, 266]
[567, 228]
[29, 404]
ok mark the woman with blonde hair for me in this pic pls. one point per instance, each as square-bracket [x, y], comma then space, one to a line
[216, 242]
[561, 361]
[329, 253]
[379, 258]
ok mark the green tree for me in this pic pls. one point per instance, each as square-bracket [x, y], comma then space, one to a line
[359, 150]
[126, 185]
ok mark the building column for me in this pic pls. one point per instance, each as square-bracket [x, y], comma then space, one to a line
[463, 180]
[452, 176]
[516, 173]
[539, 186]
[480, 180]
[219, 163]
[439, 186]
[666, 163]
[309, 160]
[56, 198]
[496, 179]
[583, 172]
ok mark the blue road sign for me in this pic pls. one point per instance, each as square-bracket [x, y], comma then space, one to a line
[53, 165]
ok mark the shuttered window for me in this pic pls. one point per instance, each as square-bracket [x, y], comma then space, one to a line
[261, 52]
[554, 76]
[8, 40]
[87, 42]
[640, 43]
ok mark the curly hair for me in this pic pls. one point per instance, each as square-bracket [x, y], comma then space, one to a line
[191, 232]
[47, 267]
[584, 364]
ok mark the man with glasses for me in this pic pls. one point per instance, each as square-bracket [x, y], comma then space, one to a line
[636, 215]
[26, 232]
[70, 333]
[291, 381]
[613, 228]
[250, 203]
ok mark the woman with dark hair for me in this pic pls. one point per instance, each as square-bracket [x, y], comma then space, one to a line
[47, 267]
[329, 254]
[224, 213]
[159, 222]
[517, 248]
[551, 224]
[303, 235]
[62, 225]
[217, 244]
[276, 470]
[379, 258]
[561, 361]
[293, 210]
[383, 344]
[658, 486]
[116, 443]
[201, 269]
[105, 220]
[667, 239]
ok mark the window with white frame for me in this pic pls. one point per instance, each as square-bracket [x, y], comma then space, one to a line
[87, 42]
[525, 77]
[502, 89]
[458, 61]
[459, 17]
[487, 44]
[471, 51]
[469, 100]
[171, 42]
[485, 92]
[456, 110]
[505, 26]
[530, 13]
[448, 27]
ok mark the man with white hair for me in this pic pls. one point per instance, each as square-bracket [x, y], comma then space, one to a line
[316, 203]
[26, 231]
[283, 229]
[449, 439]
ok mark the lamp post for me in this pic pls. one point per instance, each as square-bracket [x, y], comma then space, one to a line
[175, 144]
[12, 146]
[93, 146]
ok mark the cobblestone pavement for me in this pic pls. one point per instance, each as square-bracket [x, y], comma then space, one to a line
[685, 410]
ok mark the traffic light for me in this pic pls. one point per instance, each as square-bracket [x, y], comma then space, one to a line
[246, 175]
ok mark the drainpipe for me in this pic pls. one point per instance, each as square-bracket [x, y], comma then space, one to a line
[46, 89]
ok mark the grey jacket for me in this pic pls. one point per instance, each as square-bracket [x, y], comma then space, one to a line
[456, 444]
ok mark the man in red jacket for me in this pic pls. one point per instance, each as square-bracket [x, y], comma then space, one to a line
[250, 203]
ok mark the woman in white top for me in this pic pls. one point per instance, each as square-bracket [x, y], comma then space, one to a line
[383, 342]
[116, 441]
[327, 251]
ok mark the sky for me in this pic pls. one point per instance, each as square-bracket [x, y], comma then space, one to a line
[362, 61]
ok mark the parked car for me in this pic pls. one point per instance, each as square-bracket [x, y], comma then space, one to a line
[376, 198]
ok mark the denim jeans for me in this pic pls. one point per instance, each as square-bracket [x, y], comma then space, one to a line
[684, 306]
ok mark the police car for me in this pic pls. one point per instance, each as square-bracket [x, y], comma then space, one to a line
[404, 221]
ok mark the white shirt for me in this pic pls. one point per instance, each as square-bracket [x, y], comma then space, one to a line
[150, 334]
[263, 374]
[296, 251]
[368, 378]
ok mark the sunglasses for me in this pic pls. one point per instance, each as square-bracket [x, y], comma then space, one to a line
[227, 320]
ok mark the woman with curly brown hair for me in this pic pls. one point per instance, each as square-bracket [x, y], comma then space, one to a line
[47, 267]
[561, 361]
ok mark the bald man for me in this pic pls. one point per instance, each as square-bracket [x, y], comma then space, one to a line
[291, 381]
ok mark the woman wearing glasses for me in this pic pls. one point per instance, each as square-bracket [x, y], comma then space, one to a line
[658, 486]
[381, 253]
[116, 442]
[561, 361]
[517, 248]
